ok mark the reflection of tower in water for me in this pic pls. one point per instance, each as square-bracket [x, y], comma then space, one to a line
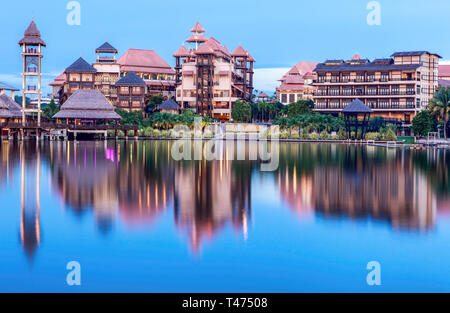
[30, 229]
[210, 194]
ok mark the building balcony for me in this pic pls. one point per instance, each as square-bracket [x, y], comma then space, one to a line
[365, 80]
[378, 106]
[365, 94]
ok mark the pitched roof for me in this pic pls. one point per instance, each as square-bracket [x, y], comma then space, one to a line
[106, 47]
[301, 68]
[239, 52]
[81, 65]
[145, 61]
[412, 53]
[250, 58]
[32, 36]
[59, 81]
[87, 104]
[357, 106]
[197, 28]
[182, 52]
[9, 108]
[356, 57]
[371, 66]
[4, 86]
[197, 38]
[131, 79]
[263, 95]
[213, 46]
[169, 104]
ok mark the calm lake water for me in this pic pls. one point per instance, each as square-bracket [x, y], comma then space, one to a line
[138, 221]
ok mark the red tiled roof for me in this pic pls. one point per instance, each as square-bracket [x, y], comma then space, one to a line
[197, 28]
[143, 61]
[182, 52]
[59, 81]
[263, 95]
[212, 46]
[444, 70]
[356, 57]
[239, 52]
[250, 58]
[301, 68]
[197, 38]
[294, 79]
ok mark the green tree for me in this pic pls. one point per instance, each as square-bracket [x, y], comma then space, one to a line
[50, 109]
[422, 123]
[130, 118]
[154, 101]
[241, 112]
[300, 107]
[440, 104]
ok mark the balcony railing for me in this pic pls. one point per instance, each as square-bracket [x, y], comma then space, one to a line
[363, 80]
[337, 106]
[368, 93]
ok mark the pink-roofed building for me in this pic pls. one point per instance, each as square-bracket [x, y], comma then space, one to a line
[147, 64]
[444, 75]
[209, 78]
[297, 83]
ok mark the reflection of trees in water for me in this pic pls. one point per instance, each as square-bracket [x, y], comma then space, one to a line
[359, 182]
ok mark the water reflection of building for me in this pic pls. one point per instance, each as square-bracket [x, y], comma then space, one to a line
[390, 190]
[30, 226]
[208, 196]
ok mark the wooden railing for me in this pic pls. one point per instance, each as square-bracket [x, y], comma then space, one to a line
[68, 127]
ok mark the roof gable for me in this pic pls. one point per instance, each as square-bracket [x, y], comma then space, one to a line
[81, 65]
[131, 79]
[106, 47]
[357, 106]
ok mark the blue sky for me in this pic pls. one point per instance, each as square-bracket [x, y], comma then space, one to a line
[277, 33]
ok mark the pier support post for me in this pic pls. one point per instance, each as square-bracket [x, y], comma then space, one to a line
[75, 136]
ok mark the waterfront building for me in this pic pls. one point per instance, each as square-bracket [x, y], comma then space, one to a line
[86, 107]
[209, 79]
[131, 90]
[80, 75]
[297, 83]
[108, 71]
[395, 88]
[148, 65]
[10, 111]
[32, 45]
[169, 106]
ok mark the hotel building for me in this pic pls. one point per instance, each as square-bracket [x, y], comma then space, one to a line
[395, 88]
[297, 83]
[159, 77]
[148, 65]
[108, 71]
[209, 79]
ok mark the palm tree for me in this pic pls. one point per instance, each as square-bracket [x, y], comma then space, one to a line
[440, 104]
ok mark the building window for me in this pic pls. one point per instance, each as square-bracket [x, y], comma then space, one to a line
[284, 98]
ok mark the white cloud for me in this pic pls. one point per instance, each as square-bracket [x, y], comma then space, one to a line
[15, 80]
[266, 79]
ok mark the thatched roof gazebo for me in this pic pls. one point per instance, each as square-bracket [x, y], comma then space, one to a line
[87, 105]
[9, 109]
[357, 115]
